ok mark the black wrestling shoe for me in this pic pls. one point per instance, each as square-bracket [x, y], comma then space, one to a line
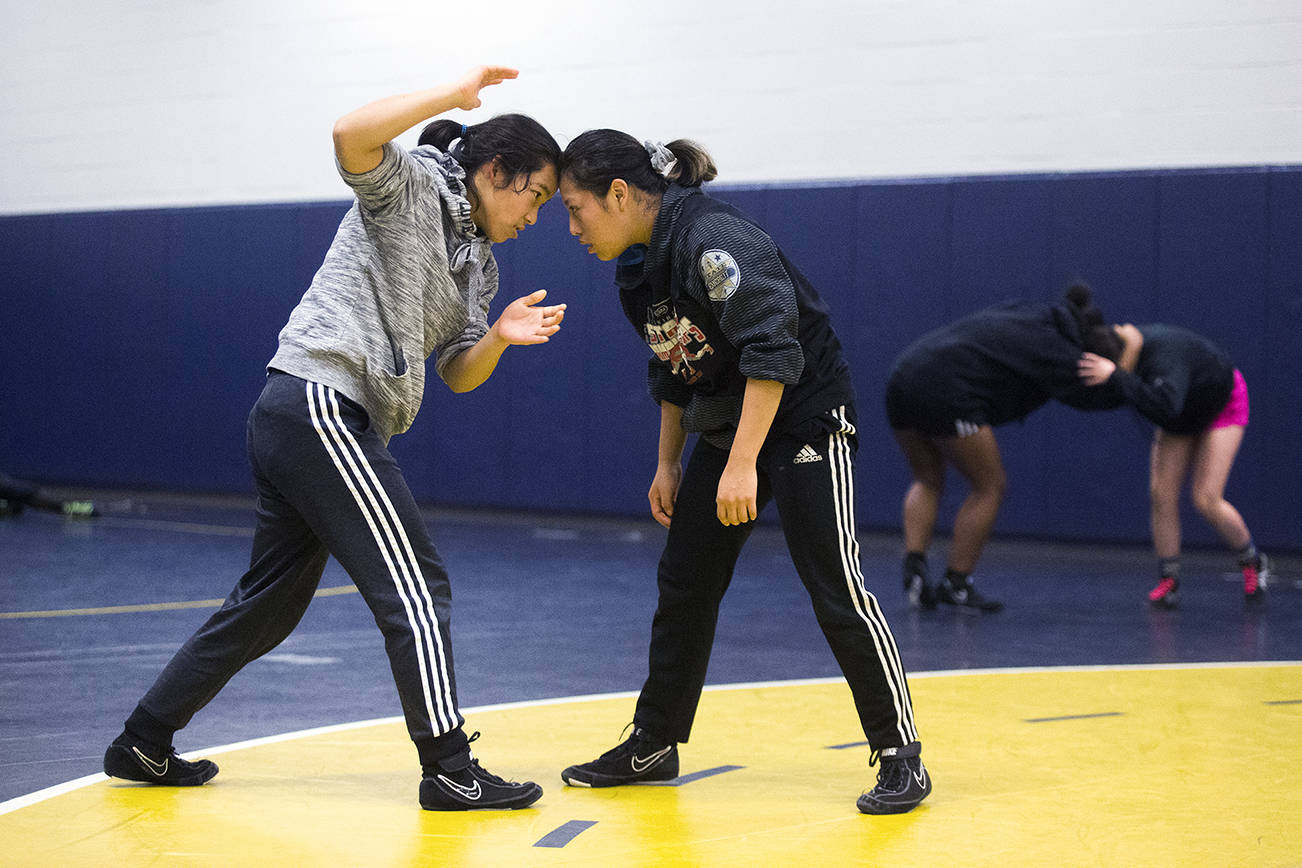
[919, 594]
[640, 758]
[902, 781]
[916, 590]
[460, 783]
[133, 760]
[966, 598]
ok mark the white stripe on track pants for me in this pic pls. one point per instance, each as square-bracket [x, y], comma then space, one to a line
[327, 485]
[809, 472]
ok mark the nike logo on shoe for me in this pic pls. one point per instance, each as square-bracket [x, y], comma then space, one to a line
[473, 792]
[920, 776]
[641, 764]
[154, 768]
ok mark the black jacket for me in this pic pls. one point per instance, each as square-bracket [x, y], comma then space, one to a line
[718, 303]
[996, 365]
[1181, 382]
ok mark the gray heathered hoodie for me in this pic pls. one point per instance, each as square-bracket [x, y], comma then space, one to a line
[406, 276]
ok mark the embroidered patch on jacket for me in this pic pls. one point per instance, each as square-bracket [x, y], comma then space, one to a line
[720, 273]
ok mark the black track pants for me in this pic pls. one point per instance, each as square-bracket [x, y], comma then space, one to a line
[327, 485]
[809, 472]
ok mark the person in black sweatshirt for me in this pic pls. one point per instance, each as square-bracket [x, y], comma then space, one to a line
[743, 353]
[946, 394]
[1190, 390]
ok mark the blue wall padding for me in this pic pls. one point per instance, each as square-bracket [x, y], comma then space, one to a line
[1274, 446]
[134, 341]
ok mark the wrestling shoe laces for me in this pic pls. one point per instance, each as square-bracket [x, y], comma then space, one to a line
[641, 757]
[902, 781]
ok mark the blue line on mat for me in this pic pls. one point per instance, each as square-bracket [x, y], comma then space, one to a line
[1072, 717]
[704, 773]
[565, 833]
[846, 745]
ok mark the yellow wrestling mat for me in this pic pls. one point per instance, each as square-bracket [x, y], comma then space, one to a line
[1133, 766]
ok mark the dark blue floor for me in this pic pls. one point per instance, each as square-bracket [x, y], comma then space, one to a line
[544, 606]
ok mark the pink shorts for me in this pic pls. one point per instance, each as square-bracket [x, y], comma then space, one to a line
[1236, 409]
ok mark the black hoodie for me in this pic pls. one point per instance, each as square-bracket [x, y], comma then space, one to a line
[992, 367]
[1181, 382]
[718, 303]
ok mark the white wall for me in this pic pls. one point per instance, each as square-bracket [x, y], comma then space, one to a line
[148, 103]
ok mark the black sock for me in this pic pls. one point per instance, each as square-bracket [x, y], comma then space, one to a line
[440, 748]
[1248, 555]
[1168, 568]
[915, 564]
[143, 726]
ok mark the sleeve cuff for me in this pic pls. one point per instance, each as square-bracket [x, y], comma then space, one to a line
[458, 345]
[379, 186]
[784, 365]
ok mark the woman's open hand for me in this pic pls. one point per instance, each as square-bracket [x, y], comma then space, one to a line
[479, 78]
[525, 322]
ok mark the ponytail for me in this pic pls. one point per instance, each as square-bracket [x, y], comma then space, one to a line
[694, 164]
[595, 158]
[442, 133]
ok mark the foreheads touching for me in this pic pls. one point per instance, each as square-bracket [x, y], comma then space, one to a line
[504, 204]
[596, 158]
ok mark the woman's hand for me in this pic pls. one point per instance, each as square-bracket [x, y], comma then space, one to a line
[1094, 370]
[359, 136]
[521, 323]
[664, 491]
[477, 79]
[738, 487]
[524, 323]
